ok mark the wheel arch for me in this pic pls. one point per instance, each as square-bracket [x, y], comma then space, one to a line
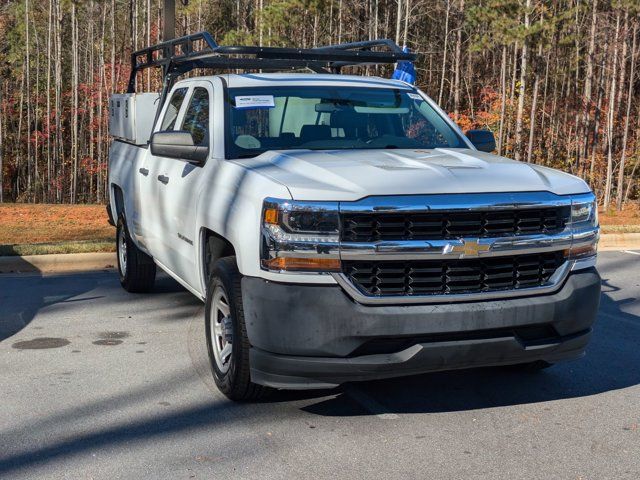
[116, 200]
[220, 247]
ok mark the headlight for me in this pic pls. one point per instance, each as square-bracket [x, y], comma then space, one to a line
[300, 236]
[584, 228]
[584, 214]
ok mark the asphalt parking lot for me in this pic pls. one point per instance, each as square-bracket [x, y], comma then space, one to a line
[99, 383]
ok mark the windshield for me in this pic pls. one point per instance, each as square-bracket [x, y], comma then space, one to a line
[332, 118]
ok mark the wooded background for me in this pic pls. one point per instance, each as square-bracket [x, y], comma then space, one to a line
[555, 80]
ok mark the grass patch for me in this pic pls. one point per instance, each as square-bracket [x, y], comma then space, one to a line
[620, 228]
[87, 246]
[26, 223]
[628, 217]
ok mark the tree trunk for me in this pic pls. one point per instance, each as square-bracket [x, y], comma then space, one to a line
[27, 67]
[514, 72]
[523, 79]
[406, 23]
[623, 60]
[534, 104]
[340, 21]
[74, 113]
[113, 46]
[458, 54]
[596, 121]
[635, 166]
[148, 25]
[444, 52]
[611, 117]
[48, 108]
[534, 101]
[398, 20]
[59, 165]
[589, 79]
[620, 189]
[503, 101]
[1, 149]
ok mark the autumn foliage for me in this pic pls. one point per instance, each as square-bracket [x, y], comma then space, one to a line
[555, 80]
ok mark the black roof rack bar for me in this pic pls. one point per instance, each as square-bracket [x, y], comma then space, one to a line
[326, 56]
[163, 54]
[178, 56]
[272, 64]
[167, 50]
[384, 42]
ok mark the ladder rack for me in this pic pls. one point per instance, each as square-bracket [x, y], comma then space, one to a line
[199, 50]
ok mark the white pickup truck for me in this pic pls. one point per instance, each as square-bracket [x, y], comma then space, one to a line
[342, 228]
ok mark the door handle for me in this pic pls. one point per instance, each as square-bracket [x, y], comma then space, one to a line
[163, 178]
[144, 171]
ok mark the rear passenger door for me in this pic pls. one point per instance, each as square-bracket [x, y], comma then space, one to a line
[185, 182]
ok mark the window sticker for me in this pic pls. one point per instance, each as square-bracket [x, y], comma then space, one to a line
[255, 101]
[415, 96]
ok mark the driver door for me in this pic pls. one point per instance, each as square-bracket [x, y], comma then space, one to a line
[185, 181]
[155, 197]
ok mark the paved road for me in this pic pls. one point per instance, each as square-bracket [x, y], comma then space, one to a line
[99, 383]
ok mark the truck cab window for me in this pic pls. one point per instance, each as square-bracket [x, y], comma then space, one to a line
[196, 119]
[173, 108]
[330, 118]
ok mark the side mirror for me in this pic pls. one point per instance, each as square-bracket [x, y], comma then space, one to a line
[178, 144]
[483, 140]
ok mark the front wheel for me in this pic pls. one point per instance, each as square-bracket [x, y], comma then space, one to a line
[136, 269]
[226, 333]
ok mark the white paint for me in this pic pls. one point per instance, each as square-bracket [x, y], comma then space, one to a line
[131, 116]
[225, 196]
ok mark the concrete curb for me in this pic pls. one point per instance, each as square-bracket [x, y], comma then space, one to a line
[69, 262]
[619, 241]
[82, 262]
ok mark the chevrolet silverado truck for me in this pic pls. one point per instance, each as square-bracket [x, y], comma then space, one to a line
[342, 228]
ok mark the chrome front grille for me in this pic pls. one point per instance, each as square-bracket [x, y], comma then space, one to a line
[444, 277]
[443, 248]
[374, 226]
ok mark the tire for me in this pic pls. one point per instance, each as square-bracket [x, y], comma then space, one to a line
[226, 333]
[531, 367]
[136, 269]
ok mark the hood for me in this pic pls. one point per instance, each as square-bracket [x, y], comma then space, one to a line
[344, 175]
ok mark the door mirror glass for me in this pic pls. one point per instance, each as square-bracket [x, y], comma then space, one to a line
[483, 140]
[178, 144]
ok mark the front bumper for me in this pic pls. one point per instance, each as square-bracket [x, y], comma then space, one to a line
[309, 336]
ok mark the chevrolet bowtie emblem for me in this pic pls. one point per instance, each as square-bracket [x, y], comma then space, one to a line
[470, 248]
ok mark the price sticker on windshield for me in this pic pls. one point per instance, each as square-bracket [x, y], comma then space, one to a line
[415, 96]
[255, 101]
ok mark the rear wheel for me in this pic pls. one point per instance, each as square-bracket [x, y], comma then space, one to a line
[136, 269]
[226, 333]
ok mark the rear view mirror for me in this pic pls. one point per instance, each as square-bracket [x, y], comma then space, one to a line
[326, 107]
[483, 140]
[180, 145]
